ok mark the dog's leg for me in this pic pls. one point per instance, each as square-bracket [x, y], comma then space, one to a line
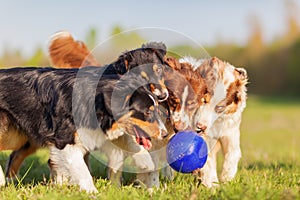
[140, 155]
[2, 177]
[86, 159]
[143, 159]
[232, 154]
[167, 172]
[150, 179]
[68, 165]
[16, 159]
[115, 157]
[209, 177]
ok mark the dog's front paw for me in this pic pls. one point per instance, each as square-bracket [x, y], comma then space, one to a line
[209, 181]
[227, 175]
[88, 186]
[143, 160]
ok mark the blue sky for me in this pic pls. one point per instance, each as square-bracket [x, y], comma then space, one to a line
[27, 24]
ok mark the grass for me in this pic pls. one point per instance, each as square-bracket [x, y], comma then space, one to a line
[269, 168]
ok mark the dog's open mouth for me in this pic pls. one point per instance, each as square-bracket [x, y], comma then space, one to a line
[142, 137]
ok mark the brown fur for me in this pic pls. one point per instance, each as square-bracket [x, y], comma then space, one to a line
[10, 137]
[65, 52]
[194, 78]
[17, 158]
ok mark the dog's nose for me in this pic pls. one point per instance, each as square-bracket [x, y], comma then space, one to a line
[178, 125]
[201, 127]
[164, 94]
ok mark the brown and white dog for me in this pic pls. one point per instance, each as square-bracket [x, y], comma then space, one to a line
[220, 115]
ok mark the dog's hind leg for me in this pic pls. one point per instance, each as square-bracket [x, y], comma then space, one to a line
[17, 157]
[10, 138]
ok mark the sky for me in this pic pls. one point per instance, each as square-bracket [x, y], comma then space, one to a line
[26, 25]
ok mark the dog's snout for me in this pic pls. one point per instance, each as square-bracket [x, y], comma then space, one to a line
[163, 95]
[179, 125]
[201, 127]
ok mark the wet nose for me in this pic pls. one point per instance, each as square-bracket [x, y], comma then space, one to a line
[179, 125]
[201, 127]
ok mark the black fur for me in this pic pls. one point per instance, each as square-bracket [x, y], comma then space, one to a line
[41, 102]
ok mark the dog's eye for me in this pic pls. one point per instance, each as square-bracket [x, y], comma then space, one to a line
[157, 68]
[220, 108]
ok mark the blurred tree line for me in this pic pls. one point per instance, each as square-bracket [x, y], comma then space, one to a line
[273, 68]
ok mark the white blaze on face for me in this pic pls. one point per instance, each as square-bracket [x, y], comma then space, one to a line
[180, 118]
[206, 114]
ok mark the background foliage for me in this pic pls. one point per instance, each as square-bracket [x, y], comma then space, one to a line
[273, 67]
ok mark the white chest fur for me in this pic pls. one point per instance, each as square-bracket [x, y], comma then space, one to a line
[91, 139]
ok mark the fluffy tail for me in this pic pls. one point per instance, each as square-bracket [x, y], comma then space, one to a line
[65, 52]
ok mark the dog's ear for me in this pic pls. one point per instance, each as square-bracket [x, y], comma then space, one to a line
[242, 73]
[122, 64]
[158, 47]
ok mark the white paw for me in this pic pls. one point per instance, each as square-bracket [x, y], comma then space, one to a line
[143, 160]
[88, 186]
[227, 176]
[209, 184]
[209, 180]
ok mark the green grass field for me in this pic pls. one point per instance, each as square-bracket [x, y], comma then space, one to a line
[269, 168]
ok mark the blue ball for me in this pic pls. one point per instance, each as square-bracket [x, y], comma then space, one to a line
[186, 151]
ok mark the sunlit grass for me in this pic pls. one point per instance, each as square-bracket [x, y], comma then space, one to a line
[269, 168]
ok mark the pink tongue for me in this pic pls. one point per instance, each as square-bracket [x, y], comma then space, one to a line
[146, 143]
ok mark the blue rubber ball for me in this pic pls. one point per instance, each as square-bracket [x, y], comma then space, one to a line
[186, 151]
